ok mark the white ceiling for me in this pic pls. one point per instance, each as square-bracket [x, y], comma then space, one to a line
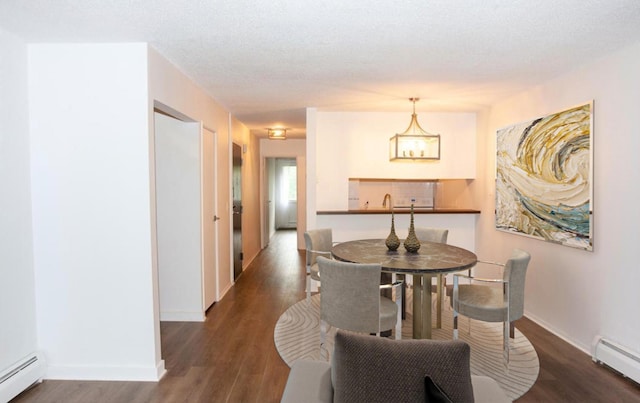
[267, 60]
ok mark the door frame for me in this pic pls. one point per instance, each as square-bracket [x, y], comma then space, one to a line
[236, 148]
[209, 217]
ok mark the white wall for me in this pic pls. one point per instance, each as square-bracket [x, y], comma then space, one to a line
[356, 145]
[17, 299]
[575, 293]
[91, 196]
[282, 148]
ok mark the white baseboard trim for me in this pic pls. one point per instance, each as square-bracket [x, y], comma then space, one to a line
[555, 332]
[161, 371]
[182, 316]
[224, 292]
[145, 374]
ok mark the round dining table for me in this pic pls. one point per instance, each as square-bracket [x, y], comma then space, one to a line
[430, 260]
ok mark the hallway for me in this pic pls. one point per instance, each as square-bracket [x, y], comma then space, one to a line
[231, 357]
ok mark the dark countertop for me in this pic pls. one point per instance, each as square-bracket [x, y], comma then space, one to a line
[402, 211]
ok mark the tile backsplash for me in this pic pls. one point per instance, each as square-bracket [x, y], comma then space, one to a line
[370, 194]
[420, 194]
[366, 193]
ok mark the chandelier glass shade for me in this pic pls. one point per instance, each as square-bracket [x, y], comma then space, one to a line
[414, 143]
[277, 134]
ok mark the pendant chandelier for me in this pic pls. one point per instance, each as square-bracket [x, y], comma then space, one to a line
[414, 143]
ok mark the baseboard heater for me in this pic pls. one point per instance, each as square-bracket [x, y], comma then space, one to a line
[20, 376]
[620, 358]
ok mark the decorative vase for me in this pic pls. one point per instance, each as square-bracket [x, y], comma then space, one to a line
[412, 244]
[392, 241]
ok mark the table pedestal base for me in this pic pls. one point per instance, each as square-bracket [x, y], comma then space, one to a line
[422, 305]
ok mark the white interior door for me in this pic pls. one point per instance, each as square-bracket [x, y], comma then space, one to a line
[179, 221]
[209, 219]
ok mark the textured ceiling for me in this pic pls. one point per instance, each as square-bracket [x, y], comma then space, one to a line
[266, 61]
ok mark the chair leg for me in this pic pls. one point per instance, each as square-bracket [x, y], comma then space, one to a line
[454, 299]
[324, 353]
[512, 330]
[439, 297]
[323, 331]
[308, 289]
[505, 341]
[404, 295]
[399, 315]
[455, 324]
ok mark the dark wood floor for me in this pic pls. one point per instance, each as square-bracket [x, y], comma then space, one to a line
[231, 357]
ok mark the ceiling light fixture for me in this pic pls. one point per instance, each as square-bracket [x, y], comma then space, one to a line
[414, 143]
[277, 133]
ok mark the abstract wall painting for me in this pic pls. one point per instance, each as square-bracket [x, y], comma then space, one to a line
[544, 176]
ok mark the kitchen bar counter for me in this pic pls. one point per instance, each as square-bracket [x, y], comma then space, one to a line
[348, 225]
[401, 211]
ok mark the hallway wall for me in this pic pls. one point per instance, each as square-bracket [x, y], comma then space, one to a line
[250, 190]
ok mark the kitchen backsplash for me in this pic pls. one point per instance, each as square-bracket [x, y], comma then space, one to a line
[370, 193]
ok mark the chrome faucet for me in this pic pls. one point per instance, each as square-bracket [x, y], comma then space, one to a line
[384, 201]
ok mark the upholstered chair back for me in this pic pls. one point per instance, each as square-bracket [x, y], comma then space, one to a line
[350, 297]
[432, 234]
[515, 272]
[376, 369]
[320, 240]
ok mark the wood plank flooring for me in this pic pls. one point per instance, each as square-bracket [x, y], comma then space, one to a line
[231, 356]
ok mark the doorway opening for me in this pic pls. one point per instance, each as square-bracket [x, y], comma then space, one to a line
[286, 189]
[281, 189]
[271, 181]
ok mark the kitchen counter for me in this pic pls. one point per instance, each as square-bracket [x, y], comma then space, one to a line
[374, 222]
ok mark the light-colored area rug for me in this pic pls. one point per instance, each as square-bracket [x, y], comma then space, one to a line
[297, 335]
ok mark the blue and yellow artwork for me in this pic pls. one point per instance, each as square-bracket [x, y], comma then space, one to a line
[544, 178]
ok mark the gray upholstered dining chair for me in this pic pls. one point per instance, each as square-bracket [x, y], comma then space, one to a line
[351, 300]
[318, 242]
[493, 300]
[432, 234]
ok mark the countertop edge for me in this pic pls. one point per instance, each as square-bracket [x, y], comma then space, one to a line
[403, 211]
